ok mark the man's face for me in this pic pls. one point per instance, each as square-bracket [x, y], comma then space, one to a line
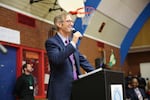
[29, 68]
[135, 83]
[67, 24]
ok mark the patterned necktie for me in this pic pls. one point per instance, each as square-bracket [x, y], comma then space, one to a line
[73, 63]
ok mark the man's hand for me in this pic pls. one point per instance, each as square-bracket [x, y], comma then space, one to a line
[76, 36]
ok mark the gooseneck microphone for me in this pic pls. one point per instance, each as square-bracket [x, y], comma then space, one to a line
[73, 31]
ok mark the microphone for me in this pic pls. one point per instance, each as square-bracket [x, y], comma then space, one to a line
[3, 49]
[73, 31]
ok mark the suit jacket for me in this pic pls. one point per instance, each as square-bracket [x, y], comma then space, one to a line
[61, 74]
[130, 93]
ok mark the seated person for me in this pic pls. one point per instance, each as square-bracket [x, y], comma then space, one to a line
[142, 82]
[128, 80]
[135, 93]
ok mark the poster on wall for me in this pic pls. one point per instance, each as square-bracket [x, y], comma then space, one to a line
[144, 69]
[116, 92]
[9, 35]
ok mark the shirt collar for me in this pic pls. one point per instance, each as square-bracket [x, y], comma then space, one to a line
[62, 37]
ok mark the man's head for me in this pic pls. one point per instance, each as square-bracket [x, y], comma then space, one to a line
[134, 82]
[64, 23]
[27, 68]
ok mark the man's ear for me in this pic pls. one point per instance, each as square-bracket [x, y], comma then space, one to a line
[25, 69]
[59, 24]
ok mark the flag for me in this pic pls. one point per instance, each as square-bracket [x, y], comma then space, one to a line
[112, 60]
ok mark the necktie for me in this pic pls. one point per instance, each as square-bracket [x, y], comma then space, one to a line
[73, 63]
[137, 91]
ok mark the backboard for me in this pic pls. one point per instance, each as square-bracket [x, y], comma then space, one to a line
[72, 5]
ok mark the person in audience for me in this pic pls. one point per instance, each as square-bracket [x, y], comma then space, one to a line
[24, 87]
[136, 93]
[142, 82]
[148, 88]
[128, 79]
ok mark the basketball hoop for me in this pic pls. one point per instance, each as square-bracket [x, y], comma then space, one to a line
[85, 13]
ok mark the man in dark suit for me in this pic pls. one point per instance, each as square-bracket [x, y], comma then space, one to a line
[135, 92]
[64, 58]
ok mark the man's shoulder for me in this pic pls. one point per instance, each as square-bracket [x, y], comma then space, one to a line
[130, 90]
[20, 78]
[53, 38]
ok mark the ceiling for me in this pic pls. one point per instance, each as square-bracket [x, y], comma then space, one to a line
[45, 10]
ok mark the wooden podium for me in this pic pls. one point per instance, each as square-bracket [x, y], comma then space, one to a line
[101, 84]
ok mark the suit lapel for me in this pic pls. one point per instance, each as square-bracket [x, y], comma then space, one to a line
[75, 54]
[59, 40]
[76, 60]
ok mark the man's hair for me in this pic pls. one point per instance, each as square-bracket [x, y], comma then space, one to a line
[60, 18]
[135, 78]
[25, 65]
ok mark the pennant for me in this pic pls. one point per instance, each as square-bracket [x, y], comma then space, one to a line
[112, 60]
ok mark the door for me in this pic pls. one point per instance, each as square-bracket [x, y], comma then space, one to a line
[7, 73]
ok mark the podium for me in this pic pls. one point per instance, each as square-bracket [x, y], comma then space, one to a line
[99, 85]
